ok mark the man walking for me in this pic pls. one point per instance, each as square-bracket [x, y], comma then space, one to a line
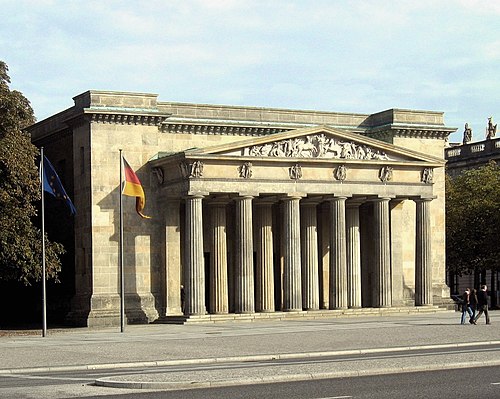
[482, 304]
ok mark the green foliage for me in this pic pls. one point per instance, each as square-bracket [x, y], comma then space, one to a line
[473, 220]
[20, 240]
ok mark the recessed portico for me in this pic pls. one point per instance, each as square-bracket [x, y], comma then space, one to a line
[254, 236]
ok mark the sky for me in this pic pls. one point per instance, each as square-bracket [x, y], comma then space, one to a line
[360, 56]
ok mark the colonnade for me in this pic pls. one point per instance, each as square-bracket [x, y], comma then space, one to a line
[255, 291]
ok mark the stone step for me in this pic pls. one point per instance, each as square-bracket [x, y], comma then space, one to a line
[304, 315]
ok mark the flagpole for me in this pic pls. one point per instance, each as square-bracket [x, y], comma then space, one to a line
[44, 288]
[122, 274]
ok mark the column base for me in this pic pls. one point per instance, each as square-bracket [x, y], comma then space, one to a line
[104, 310]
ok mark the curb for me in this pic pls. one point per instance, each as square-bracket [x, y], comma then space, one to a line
[110, 383]
[248, 358]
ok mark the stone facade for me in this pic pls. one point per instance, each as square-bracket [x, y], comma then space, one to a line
[253, 209]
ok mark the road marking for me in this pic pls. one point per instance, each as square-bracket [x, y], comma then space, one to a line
[495, 383]
[337, 397]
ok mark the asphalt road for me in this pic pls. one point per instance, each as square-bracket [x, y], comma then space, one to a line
[456, 384]
[471, 383]
[445, 384]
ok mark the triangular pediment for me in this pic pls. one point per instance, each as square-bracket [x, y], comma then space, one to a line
[319, 142]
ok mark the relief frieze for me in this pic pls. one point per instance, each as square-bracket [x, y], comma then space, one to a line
[316, 146]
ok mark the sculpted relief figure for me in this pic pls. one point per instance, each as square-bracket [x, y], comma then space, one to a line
[385, 174]
[316, 146]
[491, 129]
[158, 172]
[427, 175]
[307, 149]
[295, 172]
[246, 170]
[194, 169]
[184, 167]
[340, 173]
[467, 134]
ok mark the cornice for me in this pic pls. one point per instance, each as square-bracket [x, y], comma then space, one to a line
[221, 129]
[147, 120]
[124, 117]
[387, 133]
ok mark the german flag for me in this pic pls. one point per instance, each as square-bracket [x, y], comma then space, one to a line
[133, 188]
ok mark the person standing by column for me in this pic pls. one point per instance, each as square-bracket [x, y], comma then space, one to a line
[466, 306]
[482, 304]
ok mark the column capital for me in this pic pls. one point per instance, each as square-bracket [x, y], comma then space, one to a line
[423, 199]
[196, 194]
[335, 197]
[381, 199]
[293, 196]
[242, 196]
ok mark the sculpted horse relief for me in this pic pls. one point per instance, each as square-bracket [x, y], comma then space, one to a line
[316, 146]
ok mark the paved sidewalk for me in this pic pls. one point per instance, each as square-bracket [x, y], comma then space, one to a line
[162, 345]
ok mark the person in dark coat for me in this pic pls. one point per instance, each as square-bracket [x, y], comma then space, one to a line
[466, 306]
[473, 304]
[482, 304]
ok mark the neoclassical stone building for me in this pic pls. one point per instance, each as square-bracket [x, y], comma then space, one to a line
[254, 210]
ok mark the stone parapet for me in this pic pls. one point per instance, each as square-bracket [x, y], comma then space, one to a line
[471, 155]
[134, 101]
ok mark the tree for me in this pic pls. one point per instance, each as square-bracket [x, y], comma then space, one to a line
[473, 220]
[20, 239]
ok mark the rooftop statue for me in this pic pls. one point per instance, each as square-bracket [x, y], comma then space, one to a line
[491, 129]
[467, 134]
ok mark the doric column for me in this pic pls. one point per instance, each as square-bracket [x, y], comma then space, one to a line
[383, 287]
[194, 262]
[292, 285]
[309, 246]
[324, 259]
[218, 259]
[353, 255]
[423, 254]
[244, 301]
[264, 284]
[338, 263]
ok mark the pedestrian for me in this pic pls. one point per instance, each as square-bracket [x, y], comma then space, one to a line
[482, 304]
[473, 304]
[466, 306]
